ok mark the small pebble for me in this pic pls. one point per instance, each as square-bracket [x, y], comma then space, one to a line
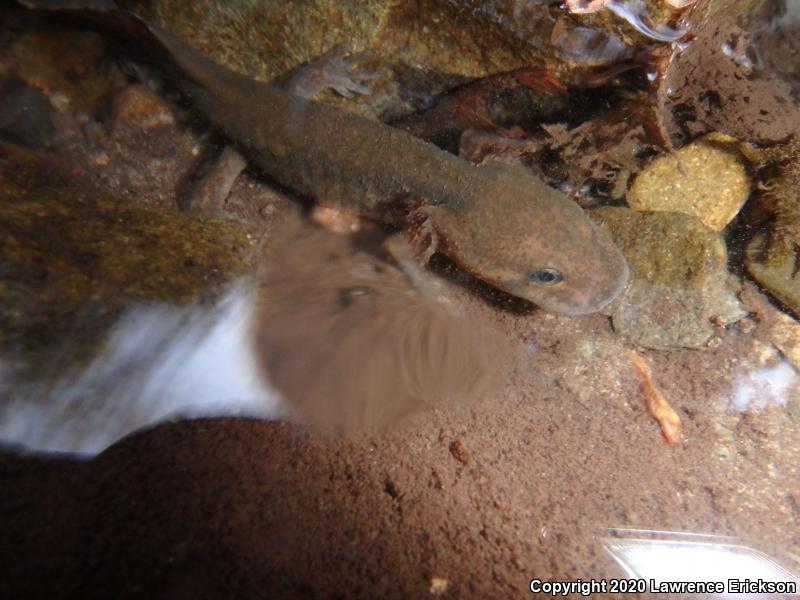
[136, 109]
[60, 102]
[438, 585]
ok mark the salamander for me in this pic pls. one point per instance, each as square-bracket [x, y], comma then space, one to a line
[497, 222]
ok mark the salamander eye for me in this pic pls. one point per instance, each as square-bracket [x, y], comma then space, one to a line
[546, 276]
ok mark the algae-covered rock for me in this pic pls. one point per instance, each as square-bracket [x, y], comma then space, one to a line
[469, 38]
[678, 279]
[705, 179]
[266, 39]
[72, 257]
[771, 256]
[773, 264]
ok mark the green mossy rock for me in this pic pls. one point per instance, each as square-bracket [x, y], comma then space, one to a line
[678, 279]
[73, 258]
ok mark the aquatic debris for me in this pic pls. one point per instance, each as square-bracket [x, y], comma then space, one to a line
[522, 96]
[657, 405]
[634, 12]
[780, 191]
[603, 151]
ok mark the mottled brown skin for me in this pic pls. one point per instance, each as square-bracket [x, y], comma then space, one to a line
[498, 222]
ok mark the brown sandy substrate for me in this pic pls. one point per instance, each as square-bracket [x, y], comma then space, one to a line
[485, 496]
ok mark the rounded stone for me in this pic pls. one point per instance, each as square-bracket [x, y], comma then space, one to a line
[706, 179]
[773, 264]
[679, 279]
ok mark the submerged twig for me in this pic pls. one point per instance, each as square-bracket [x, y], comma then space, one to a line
[657, 405]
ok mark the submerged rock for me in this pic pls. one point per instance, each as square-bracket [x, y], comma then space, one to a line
[442, 41]
[74, 257]
[716, 82]
[771, 256]
[705, 179]
[73, 66]
[774, 326]
[773, 264]
[26, 116]
[679, 280]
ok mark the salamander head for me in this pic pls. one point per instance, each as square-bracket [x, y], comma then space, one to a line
[532, 241]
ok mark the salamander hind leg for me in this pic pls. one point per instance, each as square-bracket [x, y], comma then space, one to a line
[209, 193]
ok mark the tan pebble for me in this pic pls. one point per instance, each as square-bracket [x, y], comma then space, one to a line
[764, 354]
[579, 7]
[60, 101]
[459, 452]
[336, 220]
[101, 160]
[784, 333]
[706, 179]
[137, 109]
[746, 326]
[438, 585]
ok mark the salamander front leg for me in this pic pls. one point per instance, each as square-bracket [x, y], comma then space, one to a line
[412, 254]
[337, 70]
